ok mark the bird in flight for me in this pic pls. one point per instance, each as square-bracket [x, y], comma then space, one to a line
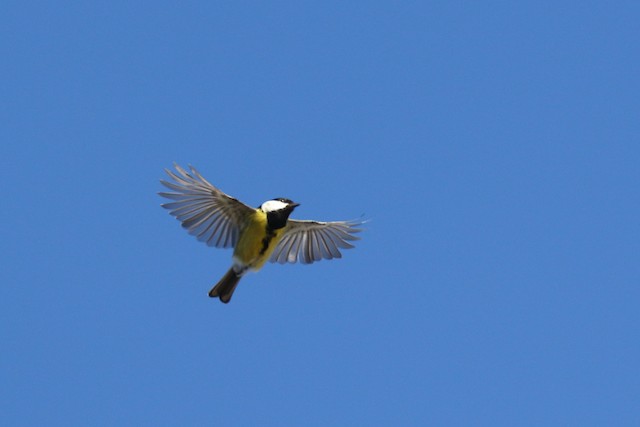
[256, 234]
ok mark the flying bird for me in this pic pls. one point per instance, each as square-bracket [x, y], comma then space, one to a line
[256, 234]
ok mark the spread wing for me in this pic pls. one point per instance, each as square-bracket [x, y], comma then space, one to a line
[206, 212]
[309, 241]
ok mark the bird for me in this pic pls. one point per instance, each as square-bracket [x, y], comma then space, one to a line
[257, 235]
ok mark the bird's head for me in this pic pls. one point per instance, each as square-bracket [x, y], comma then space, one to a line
[278, 204]
[278, 211]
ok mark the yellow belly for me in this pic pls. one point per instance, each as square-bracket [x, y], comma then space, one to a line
[256, 244]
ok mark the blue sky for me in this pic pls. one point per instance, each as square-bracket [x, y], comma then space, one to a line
[494, 146]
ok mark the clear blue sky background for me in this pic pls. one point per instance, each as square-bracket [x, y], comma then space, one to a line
[494, 145]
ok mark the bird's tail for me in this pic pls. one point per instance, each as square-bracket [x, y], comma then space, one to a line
[225, 287]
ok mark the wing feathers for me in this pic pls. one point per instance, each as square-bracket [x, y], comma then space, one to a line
[206, 212]
[310, 241]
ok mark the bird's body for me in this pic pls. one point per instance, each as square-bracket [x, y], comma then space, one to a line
[257, 235]
[257, 242]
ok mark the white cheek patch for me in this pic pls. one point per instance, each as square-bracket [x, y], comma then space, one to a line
[273, 205]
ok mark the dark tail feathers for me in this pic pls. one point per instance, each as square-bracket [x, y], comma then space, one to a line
[225, 287]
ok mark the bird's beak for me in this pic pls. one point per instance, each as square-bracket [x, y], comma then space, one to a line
[293, 205]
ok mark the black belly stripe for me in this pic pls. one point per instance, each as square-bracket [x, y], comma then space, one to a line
[267, 239]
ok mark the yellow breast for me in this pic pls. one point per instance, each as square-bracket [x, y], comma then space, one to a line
[256, 242]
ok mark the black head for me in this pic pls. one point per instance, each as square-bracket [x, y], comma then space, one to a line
[278, 211]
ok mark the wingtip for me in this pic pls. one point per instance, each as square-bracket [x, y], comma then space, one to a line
[363, 219]
[358, 222]
[168, 171]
